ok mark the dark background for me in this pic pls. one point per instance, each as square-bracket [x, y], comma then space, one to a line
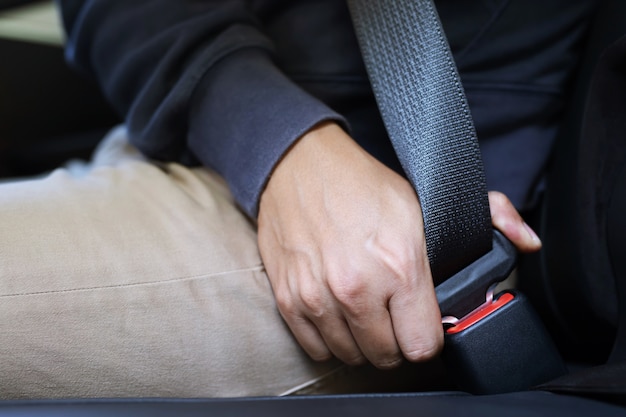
[48, 113]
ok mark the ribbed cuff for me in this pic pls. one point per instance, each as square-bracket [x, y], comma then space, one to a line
[245, 115]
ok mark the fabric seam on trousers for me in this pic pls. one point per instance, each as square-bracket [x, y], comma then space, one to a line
[257, 268]
[299, 388]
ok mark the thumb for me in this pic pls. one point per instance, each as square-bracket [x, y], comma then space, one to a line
[507, 220]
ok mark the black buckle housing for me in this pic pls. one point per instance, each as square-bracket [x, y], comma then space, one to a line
[508, 350]
[495, 344]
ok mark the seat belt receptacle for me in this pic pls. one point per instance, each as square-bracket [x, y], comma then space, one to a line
[508, 349]
[501, 345]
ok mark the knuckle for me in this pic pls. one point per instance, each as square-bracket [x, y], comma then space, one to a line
[313, 302]
[389, 362]
[320, 356]
[425, 351]
[285, 303]
[403, 267]
[498, 199]
[399, 258]
[356, 360]
[348, 290]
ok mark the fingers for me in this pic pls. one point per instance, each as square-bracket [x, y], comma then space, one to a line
[367, 317]
[333, 338]
[353, 314]
[395, 316]
[308, 336]
[507, 220]
[340, 340]
[321, 310]
[314, 317]
[422, 339]
[343, 319]
[357, 327]
[374, 334]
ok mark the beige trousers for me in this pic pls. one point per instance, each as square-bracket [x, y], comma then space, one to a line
[136, 279]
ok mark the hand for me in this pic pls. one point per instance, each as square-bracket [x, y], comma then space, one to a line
[341, 236]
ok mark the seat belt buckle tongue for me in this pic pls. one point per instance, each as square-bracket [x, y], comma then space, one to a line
[465, 291]
[500, 347]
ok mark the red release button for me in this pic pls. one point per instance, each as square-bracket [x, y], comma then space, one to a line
[480, 313]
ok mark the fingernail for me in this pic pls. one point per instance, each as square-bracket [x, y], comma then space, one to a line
[532, 233]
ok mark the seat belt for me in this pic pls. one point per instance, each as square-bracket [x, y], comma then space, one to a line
[496, 343]
[423, 105]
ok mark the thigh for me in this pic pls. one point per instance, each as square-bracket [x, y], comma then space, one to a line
[132, 279]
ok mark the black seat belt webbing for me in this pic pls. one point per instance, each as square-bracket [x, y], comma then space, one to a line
[423, 105]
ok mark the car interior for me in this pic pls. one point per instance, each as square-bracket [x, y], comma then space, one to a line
[50, 116]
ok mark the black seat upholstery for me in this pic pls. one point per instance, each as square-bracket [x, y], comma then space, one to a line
[535, 404]
[576, 292]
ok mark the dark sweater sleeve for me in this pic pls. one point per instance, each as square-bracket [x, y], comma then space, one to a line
[194, 77]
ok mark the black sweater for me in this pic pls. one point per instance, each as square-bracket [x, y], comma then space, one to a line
[233, 83]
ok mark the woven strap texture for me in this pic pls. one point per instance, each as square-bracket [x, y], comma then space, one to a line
[423, 105]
